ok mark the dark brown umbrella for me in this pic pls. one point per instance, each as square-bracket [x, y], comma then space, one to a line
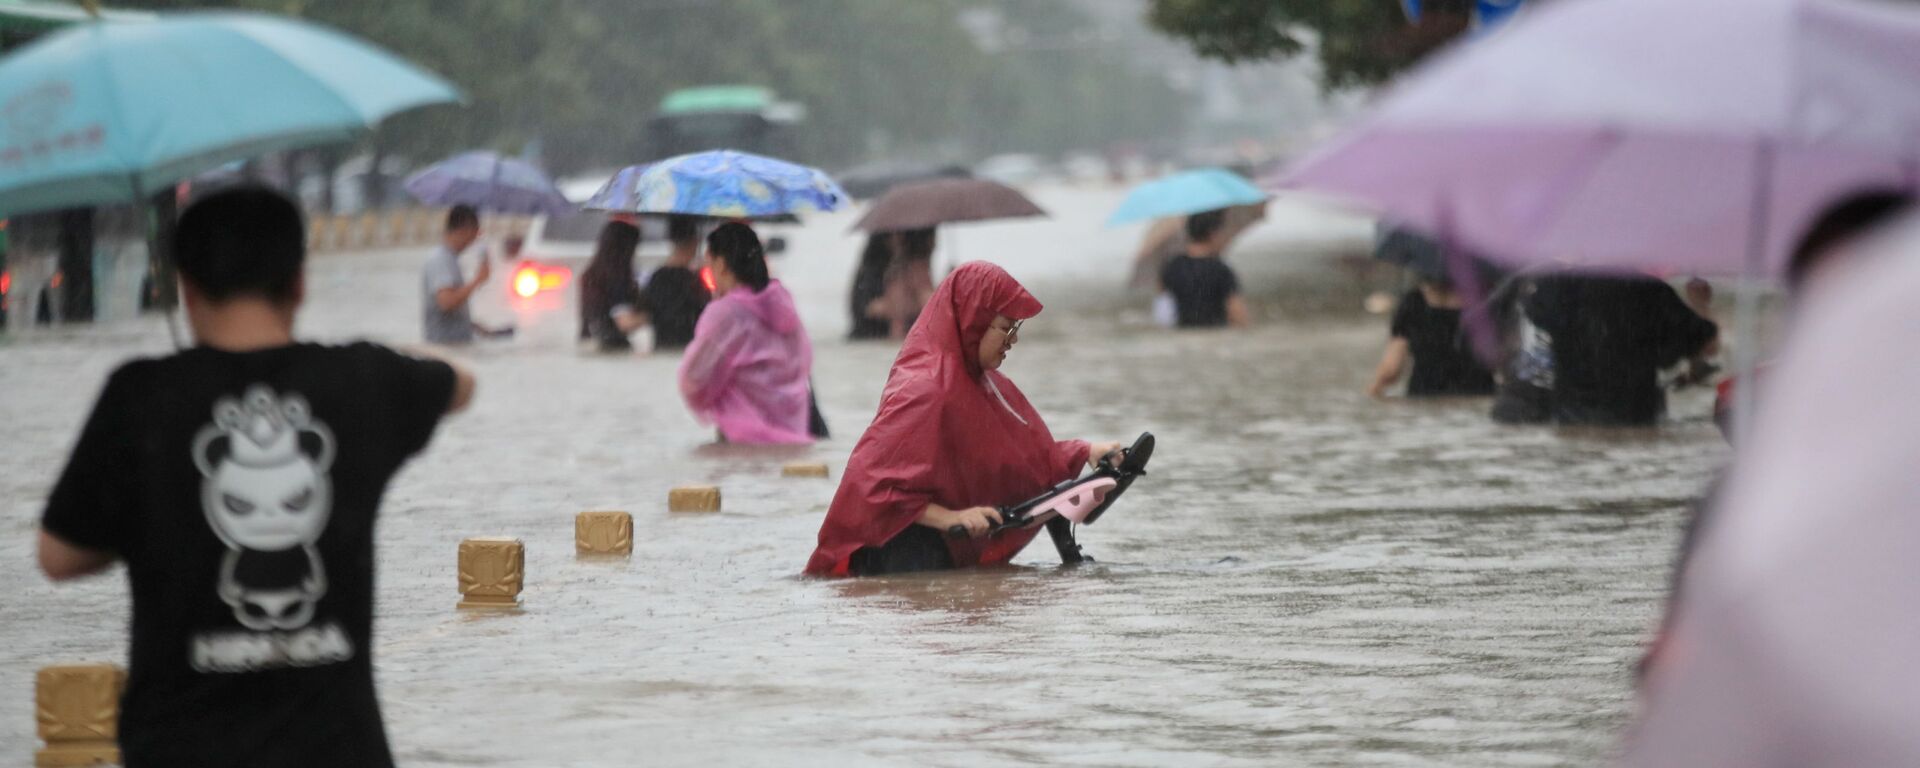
[941, 201]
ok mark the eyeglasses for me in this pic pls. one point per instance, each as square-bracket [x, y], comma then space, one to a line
[1011, 330]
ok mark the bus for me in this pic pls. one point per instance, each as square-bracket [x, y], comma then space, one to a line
[743, 117]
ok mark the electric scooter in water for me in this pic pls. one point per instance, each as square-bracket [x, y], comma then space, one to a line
[1081, 500]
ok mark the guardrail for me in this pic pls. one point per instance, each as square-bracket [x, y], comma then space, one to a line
[397, 228]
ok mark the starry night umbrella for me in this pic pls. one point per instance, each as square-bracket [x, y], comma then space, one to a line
[722, 184]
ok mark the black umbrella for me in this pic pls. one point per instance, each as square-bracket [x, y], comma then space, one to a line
[940, 201]
[873, 180]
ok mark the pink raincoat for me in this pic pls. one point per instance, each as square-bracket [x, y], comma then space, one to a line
[746, 370]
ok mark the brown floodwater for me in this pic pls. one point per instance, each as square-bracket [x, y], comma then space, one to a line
[1306, 578]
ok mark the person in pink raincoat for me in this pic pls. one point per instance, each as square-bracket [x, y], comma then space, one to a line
[746, 370]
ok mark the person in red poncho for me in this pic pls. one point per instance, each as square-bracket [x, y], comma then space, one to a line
[954, 438]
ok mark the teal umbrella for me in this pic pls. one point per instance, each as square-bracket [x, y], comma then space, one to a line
[110, 112]
[1187, 192]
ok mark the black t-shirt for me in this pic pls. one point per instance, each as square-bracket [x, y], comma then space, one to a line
[1443, 364]
[1200, 289]
[600, 292]
[241, 490]
[673, 301]
[1611, 336]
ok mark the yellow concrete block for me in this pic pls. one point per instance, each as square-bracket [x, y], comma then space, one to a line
[694, 498]
[366, 230]
[603, 533]
[803, 469]
[78, 709]
[339, 233]
[492, 569]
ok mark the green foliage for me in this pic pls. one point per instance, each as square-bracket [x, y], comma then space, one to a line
[583, 76]
[1360, 42]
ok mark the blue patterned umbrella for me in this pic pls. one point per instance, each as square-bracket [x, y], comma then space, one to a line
[490, 183]
[719, 184]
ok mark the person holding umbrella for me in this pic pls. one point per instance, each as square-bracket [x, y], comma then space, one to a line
[908, 280]
[1202, 290]
[1205, 291]
[906, 217]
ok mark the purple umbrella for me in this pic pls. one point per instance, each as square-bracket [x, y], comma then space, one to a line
[1795, 633]
[1642, 134]
[489, 182]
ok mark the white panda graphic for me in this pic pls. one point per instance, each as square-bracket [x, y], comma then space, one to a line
[264, 487]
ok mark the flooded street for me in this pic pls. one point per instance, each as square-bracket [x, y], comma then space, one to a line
[1307, 577]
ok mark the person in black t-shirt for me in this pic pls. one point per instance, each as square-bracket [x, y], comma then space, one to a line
[1426, 332]
[674, 296]
[1206, 293]
[1611, 336]
[240, 480]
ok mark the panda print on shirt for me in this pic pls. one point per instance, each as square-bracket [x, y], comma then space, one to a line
[265, 491]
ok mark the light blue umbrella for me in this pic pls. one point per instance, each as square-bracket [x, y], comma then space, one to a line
[110, 112]
[490, 183]
[1187, 192]
[719, 184]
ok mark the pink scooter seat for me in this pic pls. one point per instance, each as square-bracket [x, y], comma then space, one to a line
[1075, 503]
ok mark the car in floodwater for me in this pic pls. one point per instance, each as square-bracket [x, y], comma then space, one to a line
[537, 291]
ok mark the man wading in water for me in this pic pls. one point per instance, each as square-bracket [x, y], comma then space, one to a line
[239, 480]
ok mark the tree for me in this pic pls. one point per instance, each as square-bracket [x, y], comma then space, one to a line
[1359, 42]
[583, 76]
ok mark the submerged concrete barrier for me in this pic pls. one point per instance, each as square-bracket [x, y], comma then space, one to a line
[603, 533]
[804, 469]
[492, 569]
[694, 498]
[78, 711]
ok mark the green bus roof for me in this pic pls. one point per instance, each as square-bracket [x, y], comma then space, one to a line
[717, 98]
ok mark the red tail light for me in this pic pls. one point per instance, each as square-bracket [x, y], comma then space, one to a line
[531, 278]
[526, 282]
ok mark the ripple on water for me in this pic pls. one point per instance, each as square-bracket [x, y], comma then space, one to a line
[1307, 577]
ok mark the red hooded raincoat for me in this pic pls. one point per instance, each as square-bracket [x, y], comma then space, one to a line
[948, 433]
